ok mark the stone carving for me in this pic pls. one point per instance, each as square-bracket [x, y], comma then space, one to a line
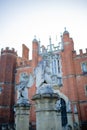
[76, 126]
[58, 105]
[43, 78]
[67, 127]
[68, 107]
[26, 81]
[42, 73]
[48, 71]
[45, 88]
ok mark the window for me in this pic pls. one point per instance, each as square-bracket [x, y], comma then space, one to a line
[60, 81]
[86, 90]
[0, 89]
[84, 67]
[58, 67]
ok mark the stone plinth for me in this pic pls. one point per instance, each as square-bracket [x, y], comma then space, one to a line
[22, 116]
[46, 116]
[59, 120]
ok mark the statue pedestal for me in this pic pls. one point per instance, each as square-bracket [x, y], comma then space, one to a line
[59, 120]
[22, 116]
[46, 116]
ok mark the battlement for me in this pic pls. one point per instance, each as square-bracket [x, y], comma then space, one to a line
[81, 53]
[8, 50]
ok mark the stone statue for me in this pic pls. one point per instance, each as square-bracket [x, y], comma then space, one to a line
[43, 77]
[26, 81]
[42, 73]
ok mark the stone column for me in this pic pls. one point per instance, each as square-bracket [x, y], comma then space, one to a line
[46, 116]
[22, 116]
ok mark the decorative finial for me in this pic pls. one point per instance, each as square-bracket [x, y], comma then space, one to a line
[35, 40]
[65, 28]
[34, 36]
[65, 31]
[50, 39]
[50, 44]
[39, 40]
[61, 35]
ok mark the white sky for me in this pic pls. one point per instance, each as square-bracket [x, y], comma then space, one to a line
[20, 20]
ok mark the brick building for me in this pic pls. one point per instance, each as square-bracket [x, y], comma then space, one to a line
[74, 79]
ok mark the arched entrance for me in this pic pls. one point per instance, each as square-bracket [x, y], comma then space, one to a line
[64, 120]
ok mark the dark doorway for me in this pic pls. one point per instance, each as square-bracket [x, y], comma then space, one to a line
[63, 113]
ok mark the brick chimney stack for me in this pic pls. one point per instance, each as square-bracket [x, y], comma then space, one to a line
[25, 52]
[35, 50]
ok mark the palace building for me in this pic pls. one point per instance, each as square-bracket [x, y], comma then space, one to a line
[70, 68]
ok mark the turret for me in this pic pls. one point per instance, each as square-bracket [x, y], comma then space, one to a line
[67, 53]
[7, 82]
[68, 66]
[8, 51]
[68, 42]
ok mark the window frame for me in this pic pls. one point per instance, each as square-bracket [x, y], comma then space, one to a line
[84, 72]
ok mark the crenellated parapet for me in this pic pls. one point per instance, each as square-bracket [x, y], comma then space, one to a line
[81, 53]
[8, 50]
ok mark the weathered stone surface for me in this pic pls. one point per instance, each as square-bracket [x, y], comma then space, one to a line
[46, 114]
[26, 81]
[22, 116]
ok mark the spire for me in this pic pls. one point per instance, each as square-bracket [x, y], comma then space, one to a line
[50, 44]
[35, 40]
[65, 28]
[62, 44]
[61, 38]
[65, 31]
[39, 45]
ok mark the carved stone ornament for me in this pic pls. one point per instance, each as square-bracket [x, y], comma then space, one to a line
[45, 88]
[58, 105]
[26, 81]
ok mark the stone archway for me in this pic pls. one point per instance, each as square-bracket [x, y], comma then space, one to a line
[64, 110]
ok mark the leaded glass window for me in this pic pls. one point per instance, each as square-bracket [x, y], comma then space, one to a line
[84, 67]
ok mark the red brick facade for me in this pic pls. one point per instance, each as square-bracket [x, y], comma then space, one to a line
[7, 82]
[74, 80]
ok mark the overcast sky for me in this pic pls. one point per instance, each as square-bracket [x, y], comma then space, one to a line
[20, 20]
